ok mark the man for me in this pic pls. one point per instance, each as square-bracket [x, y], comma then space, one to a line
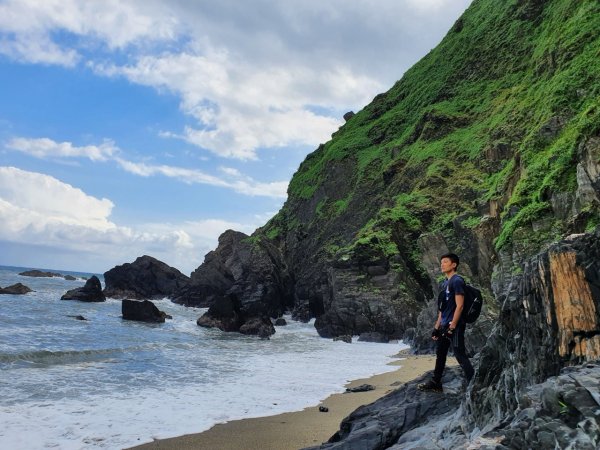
[449, 329]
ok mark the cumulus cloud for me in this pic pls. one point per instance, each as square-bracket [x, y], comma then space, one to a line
[37, 209]
[233, 179]
[251, 73]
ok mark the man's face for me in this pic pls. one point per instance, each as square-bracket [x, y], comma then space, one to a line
[446, 265]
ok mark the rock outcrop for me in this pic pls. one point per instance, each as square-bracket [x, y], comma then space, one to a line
[142, 311]
[242, 281]
[16, 289]
[90, 292]
[145, 278]
[40, 274]
[537, 380]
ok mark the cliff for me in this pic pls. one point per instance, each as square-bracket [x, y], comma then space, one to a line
[489, 147]
[537, 381]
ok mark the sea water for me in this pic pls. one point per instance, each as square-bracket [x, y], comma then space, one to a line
[111, 383]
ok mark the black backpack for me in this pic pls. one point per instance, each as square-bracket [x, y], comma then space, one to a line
[473, 303]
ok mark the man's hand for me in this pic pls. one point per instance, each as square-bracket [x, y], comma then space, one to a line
[447, 332]
[436, 334]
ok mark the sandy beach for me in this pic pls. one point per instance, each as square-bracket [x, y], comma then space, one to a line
[295, 430]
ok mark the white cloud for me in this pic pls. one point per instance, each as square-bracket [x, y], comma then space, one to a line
[47, 148]
[249, 72]
[40, 210]
[233, 179]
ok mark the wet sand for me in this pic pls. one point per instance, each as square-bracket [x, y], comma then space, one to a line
[295, 430]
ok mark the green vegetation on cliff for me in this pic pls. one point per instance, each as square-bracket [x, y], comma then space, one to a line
[488, 123]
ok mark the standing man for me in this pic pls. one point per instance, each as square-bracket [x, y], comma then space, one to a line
[449, 329]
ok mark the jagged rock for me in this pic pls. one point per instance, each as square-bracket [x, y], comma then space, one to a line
[552, 127]
[361, 388]
[142, 311]
[379, 425]
[227, 315]
[280, 322]
[69, 278]
[258, 326]
[16, 289]
[349, 115]
[223, 315]
[373, 337]
[344, 338]
[240, 281]
[145, 278]
[90, 292]
[40, 274]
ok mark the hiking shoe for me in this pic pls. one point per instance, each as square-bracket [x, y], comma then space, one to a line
[431, 386]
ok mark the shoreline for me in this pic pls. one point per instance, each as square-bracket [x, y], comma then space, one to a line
[298, 429]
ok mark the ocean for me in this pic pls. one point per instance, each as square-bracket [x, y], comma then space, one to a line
[111, 383]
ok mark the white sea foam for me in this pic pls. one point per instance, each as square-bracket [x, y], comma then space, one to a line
[109, 383]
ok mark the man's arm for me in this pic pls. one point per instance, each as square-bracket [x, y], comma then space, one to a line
[438, 323]
[460, 304]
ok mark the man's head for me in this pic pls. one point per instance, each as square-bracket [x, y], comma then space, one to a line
[449, 263]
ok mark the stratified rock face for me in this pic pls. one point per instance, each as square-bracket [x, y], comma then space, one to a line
[40, 274]
[145, 278]
[90, 292]
[550, 318]
[16, 289]
[142, 311]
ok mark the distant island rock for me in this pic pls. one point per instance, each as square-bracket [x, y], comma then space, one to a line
[40, 274]
[145, 278]
[70, 278]
[143, 311]
[16, 289]
[90, 292]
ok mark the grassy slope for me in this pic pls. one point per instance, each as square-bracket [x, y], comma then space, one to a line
[502, 72]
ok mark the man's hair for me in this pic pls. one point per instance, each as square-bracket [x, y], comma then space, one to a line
[452, 257]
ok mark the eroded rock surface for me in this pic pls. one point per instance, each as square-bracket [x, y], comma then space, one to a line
[145, 278]
[90, 292]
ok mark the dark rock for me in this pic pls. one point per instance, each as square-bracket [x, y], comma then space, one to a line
[373, 337]
[78, 317]
[258, 326]
[40, 274]
[16, 289]
[323, 409]
[349, 115]
[344, 338]
[380, 424]
[227, 315]
[142, 311]
[361, 388]
[90, 292]
[552, 127]
[145, 278]
[241, 282]
[70, 278]
[280, 322]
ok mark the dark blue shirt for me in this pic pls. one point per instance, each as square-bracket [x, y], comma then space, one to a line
[455, 285]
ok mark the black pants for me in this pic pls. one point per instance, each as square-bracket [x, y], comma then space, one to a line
[458, 346]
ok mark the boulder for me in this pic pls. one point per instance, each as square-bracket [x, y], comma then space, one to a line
[374, 337]
[16, 289]
[90, 292]
[142, 311]
[226, 315]
[280, 322]
[145, 278]
[258, 326]
[40, 274]
[361, 388]
[70, 278]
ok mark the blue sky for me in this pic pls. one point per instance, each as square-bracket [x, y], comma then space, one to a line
[150, 127]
